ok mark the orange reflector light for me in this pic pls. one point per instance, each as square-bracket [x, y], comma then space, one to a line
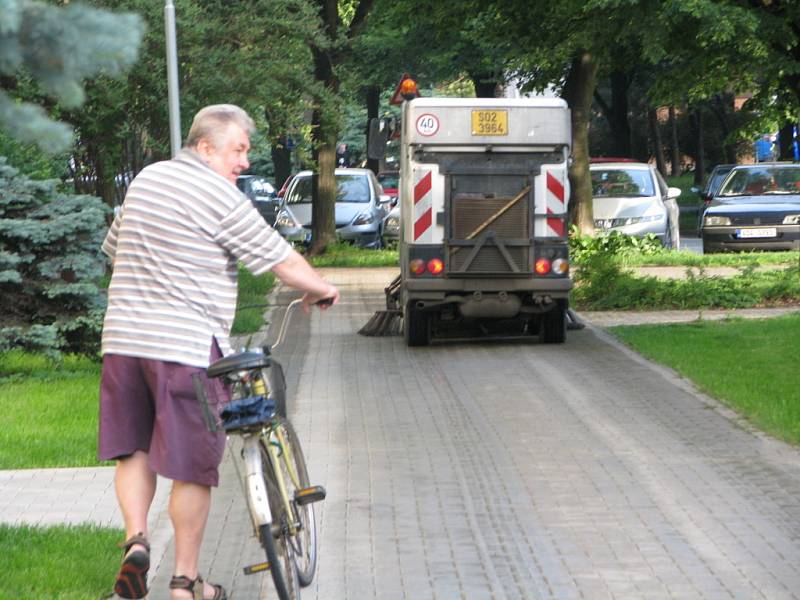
[435, 266]
[417, 266]
[542, 266]
[560, 266]
[408, 89]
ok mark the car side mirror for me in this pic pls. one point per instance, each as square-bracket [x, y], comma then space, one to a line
[384, 198]
[673, 193]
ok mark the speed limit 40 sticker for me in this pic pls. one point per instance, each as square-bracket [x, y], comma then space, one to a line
[427, 124]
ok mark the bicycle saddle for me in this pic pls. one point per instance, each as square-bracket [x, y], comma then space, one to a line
[238, 362]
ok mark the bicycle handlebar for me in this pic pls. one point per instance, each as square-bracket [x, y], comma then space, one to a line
[287, 317]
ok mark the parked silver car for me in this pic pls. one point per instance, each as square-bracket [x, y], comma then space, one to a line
[391, 227]
[632, 198]
[359, 213]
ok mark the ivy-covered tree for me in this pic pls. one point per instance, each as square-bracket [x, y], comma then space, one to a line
[49, 265]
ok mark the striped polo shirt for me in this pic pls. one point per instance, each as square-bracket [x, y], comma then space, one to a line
[175, 246]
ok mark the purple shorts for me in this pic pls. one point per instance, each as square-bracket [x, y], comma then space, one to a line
[151, 405]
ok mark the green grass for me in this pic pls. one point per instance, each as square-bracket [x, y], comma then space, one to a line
[49, 416]
[58, 563]
[750, 365]
[685, 182]
[253, 292]
[347, 255]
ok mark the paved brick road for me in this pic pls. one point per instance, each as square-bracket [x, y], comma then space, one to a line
[517, 470]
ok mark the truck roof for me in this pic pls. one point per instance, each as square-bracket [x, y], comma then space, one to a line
[478, 102]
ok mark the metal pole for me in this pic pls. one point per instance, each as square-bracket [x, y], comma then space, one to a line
[172, 78]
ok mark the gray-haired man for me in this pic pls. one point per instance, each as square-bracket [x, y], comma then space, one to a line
[171, 302]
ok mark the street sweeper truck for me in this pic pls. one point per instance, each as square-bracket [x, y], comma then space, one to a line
[483, 241]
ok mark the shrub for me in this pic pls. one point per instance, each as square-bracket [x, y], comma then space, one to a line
[583, 247]
[50, 262]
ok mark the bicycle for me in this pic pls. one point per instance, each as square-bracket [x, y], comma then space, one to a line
[270, 466]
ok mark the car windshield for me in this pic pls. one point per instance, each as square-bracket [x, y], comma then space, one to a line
[717, 178]
[762, 181]
[388, 180]
[622, 182]
[349, 188]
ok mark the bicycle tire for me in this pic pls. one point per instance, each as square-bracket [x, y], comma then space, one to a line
[274, 537]
[304, 542]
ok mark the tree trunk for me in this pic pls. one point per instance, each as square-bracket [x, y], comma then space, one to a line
[675, 157]
[486, 85]
[655, 136]
[618, 114]
[282, 160]
[323, 228]
[700, 159]
[718, 107]
[578, 91]
[373, 108]
[785, 142]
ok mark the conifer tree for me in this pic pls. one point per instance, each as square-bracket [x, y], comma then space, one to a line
[49, 264]
[49, 241]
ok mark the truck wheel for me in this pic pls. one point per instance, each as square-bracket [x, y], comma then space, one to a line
[416, 327]
[554, 326]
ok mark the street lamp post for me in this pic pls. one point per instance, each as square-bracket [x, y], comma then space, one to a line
[172, 78]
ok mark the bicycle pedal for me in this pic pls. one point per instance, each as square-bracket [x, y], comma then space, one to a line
[315, 493]
[257, 568]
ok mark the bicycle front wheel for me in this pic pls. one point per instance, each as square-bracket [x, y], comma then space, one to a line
[275, 537]
[295, 474]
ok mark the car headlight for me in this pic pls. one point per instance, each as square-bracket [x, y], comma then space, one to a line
[392, 224]
[284, 219]
[364, 218]
[791, 220]
[715, 221]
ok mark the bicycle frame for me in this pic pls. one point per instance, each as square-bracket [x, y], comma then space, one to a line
[253, 479]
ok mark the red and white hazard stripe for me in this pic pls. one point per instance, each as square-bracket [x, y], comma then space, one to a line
[556, 202]
[423, 205]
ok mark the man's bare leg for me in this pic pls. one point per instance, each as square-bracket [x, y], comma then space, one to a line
[135, 484]
[189, 504]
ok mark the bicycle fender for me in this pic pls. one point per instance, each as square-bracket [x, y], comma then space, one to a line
[256, 489]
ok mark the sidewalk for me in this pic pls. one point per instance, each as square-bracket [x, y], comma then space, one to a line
[51, 496]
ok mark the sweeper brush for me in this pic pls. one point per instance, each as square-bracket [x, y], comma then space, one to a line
[389, 321]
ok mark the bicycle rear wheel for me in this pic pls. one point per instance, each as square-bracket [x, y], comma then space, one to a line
[275, 537]
[295, 474]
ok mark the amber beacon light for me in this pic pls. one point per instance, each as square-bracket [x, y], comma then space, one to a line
[408, 89]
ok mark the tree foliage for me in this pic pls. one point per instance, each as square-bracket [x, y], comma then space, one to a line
[58, 47]
[50, 264]
[253, 54]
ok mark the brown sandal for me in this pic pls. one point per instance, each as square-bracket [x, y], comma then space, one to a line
[132, 577]
[181, 582]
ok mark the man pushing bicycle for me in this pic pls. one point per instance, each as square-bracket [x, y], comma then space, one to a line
[171, 302]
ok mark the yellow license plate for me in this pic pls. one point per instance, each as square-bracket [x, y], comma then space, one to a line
[489, 122]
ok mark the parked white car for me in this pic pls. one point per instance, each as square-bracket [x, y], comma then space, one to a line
[632, 198]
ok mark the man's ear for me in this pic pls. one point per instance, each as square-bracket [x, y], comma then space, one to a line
[204, 147]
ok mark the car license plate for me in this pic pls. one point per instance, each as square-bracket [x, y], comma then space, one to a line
[489, 122]
[761, 232]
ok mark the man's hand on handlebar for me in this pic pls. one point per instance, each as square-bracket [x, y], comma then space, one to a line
[323, 301]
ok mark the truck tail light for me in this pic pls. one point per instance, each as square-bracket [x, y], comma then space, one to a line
[417, 266]
[542, 266]
[435, 266]
[560, 266]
